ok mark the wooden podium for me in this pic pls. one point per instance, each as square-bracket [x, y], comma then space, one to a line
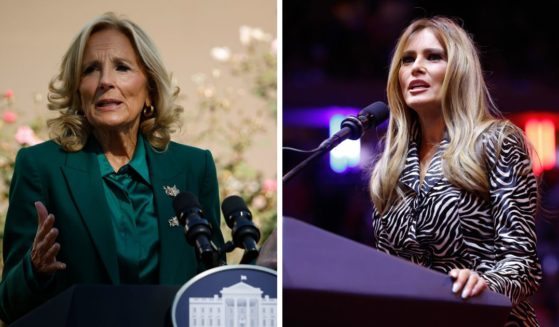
[332, 281]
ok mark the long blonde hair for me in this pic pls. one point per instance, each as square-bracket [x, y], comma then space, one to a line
[71, 129]
[467, 108]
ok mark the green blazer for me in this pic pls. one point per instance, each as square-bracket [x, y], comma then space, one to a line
[70, 186]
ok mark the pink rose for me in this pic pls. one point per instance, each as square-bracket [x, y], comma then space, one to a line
[9, 117]
[8, 94]
[25, 135]
[259, 202]
[269, 186]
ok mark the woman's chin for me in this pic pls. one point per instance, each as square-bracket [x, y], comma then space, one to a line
[424, 105]
[108, 125]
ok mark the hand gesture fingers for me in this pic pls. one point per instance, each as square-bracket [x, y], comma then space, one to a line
[479, 287]
[468, 282]
[42, 212]
[45, 248]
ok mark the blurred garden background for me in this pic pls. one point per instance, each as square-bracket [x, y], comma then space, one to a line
[221, 53]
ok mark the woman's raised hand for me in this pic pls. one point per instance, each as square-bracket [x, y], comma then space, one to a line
[45, 248]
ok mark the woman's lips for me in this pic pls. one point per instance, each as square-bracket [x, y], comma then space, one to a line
[107, 104]
[418, 90]
[418, 86]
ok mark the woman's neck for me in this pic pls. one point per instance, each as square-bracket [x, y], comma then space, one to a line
[432, 130]
[432, 133]
[118, 146]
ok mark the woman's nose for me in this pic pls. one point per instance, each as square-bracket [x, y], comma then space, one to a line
[106, 80]
[418, 66]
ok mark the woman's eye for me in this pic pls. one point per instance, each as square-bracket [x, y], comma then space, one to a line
[435, 56]
[407, 59]
[122, 68]
[90, 69]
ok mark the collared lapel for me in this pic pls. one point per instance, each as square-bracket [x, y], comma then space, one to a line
[434, 172]
[410, 174]
[85, 183]
[165, 172]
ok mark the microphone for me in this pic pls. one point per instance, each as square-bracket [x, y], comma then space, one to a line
[239, 219]
[353, 127]
[197, 229]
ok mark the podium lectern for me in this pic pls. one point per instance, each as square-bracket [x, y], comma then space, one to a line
[105, 305]
[332, 281]
[240, 295]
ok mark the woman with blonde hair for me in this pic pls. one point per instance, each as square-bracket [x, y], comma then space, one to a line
[454, 190]
[93, 205]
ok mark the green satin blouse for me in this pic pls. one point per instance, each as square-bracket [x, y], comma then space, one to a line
[129, 195]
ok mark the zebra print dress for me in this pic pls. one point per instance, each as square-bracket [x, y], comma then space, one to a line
[441, 226]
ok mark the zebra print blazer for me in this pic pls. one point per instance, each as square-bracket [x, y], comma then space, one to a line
[441, 226]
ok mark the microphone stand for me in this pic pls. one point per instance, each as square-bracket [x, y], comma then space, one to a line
[302, 165]
[210, 256]
[198, 233]
[353, 131]
[353, 127]
[251, 252]
[245, 236]
[249, 255]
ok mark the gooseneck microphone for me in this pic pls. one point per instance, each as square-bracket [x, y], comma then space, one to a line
[353, 127]
[197, 229]
[239, 219]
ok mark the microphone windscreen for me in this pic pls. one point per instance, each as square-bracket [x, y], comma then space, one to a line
[379, 110]
[185, 200]
[233, 204]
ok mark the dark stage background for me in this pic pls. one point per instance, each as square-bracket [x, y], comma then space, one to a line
[336, 54]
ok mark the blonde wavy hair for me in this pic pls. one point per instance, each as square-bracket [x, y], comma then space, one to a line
[468, 112]
[71, 129]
